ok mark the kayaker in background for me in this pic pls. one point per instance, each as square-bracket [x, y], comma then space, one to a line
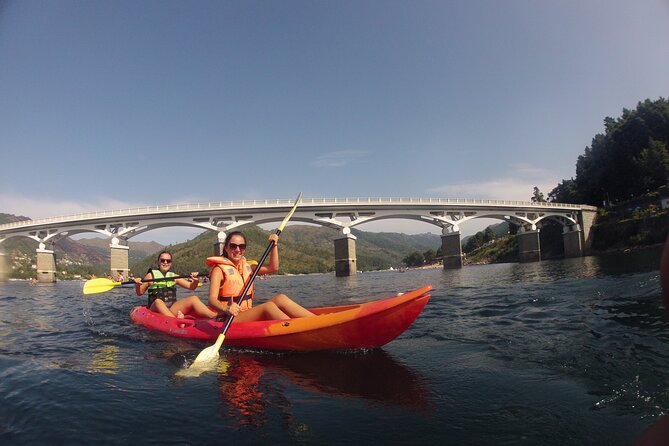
[228, 276]
[163, 294]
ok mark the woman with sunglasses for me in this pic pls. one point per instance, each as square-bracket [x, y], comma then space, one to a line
[228, 276]
[163, 294]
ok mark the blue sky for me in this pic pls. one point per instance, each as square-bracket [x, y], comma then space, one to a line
[111, 104]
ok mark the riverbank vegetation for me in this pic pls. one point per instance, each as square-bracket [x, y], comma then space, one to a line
[624, 172]
[304, 249]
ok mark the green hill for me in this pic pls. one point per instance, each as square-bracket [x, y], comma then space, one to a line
[304, 249]
[138, 250]
[74, 258]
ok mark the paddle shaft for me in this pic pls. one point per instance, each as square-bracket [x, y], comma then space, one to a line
[211, 353]
[250, 281]
[161, 279]
[248, 284]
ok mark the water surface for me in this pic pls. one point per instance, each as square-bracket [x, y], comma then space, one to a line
[558, 352]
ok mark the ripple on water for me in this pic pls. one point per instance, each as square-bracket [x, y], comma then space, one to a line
[547, 353]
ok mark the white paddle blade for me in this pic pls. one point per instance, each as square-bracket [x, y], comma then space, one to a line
[209, 354]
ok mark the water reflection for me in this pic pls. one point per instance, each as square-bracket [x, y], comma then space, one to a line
[241, 392]
[248, 383]
[105, 359]
[613, 264]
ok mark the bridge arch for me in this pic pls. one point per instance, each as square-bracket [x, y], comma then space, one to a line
[340, 214]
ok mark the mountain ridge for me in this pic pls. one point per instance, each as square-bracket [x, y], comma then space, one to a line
[304, 249]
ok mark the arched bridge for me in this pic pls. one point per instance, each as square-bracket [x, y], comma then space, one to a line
[340, 214]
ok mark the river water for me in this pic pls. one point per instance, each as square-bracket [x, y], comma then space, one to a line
[558, 352]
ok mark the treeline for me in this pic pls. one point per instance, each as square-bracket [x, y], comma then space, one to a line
[479, 239]
[629, 160]
[418, 258]
[624, 171]
[304, 249]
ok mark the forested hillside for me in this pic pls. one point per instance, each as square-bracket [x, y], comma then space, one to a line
[74, 258]
[629, 160]
[304, 249]
[624, 172]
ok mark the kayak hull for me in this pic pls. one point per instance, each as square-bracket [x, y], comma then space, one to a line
[356, 326]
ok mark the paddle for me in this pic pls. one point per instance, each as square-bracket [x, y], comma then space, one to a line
[102, 284]
[209, 354]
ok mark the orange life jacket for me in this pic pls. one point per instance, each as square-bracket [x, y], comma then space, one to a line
[234, 279]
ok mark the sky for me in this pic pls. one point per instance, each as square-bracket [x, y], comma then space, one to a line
[109, 105]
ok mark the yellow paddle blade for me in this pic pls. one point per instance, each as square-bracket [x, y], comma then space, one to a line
[99, 285]
[290, 214]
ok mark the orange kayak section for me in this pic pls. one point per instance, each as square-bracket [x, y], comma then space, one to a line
[356, 326]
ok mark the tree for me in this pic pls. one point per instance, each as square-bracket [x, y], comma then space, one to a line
[653, 165]
[429, 256]
[538, 196]
[565, 192]
[414, 259]
[479, 239]
[627, 161]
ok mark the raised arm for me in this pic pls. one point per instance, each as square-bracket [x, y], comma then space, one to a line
[273, 257]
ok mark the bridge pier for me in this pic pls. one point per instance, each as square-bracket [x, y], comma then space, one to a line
[528, 246]
[119, 258]
[586, 219]
[219, 244]
[4, 268]
[451, 250]
[46, 264]
[572, 237]
[345, 259]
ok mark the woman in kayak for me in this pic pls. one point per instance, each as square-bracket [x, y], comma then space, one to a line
[229, 275]
[163, 294]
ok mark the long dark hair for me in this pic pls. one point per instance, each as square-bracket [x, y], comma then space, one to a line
[165, 252]
[229, 236]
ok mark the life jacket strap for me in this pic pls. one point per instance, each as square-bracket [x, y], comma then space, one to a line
[168, 295]
[224, 298]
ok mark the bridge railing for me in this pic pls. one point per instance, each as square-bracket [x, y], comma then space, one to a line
[223, 205]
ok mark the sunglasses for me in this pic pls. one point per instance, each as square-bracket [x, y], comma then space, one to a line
[165, 260]
[233, 246]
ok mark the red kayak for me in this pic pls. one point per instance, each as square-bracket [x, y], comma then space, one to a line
[364, 325]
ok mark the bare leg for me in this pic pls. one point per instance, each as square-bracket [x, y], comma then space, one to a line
[263, 312]
[159, 307]
[192, 305]
[289, 307]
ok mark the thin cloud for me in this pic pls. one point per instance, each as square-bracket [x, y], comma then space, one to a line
[498, 189]
[35, 208]
[524, 170]
[338, 159]
[38, 208]
[517, 184]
